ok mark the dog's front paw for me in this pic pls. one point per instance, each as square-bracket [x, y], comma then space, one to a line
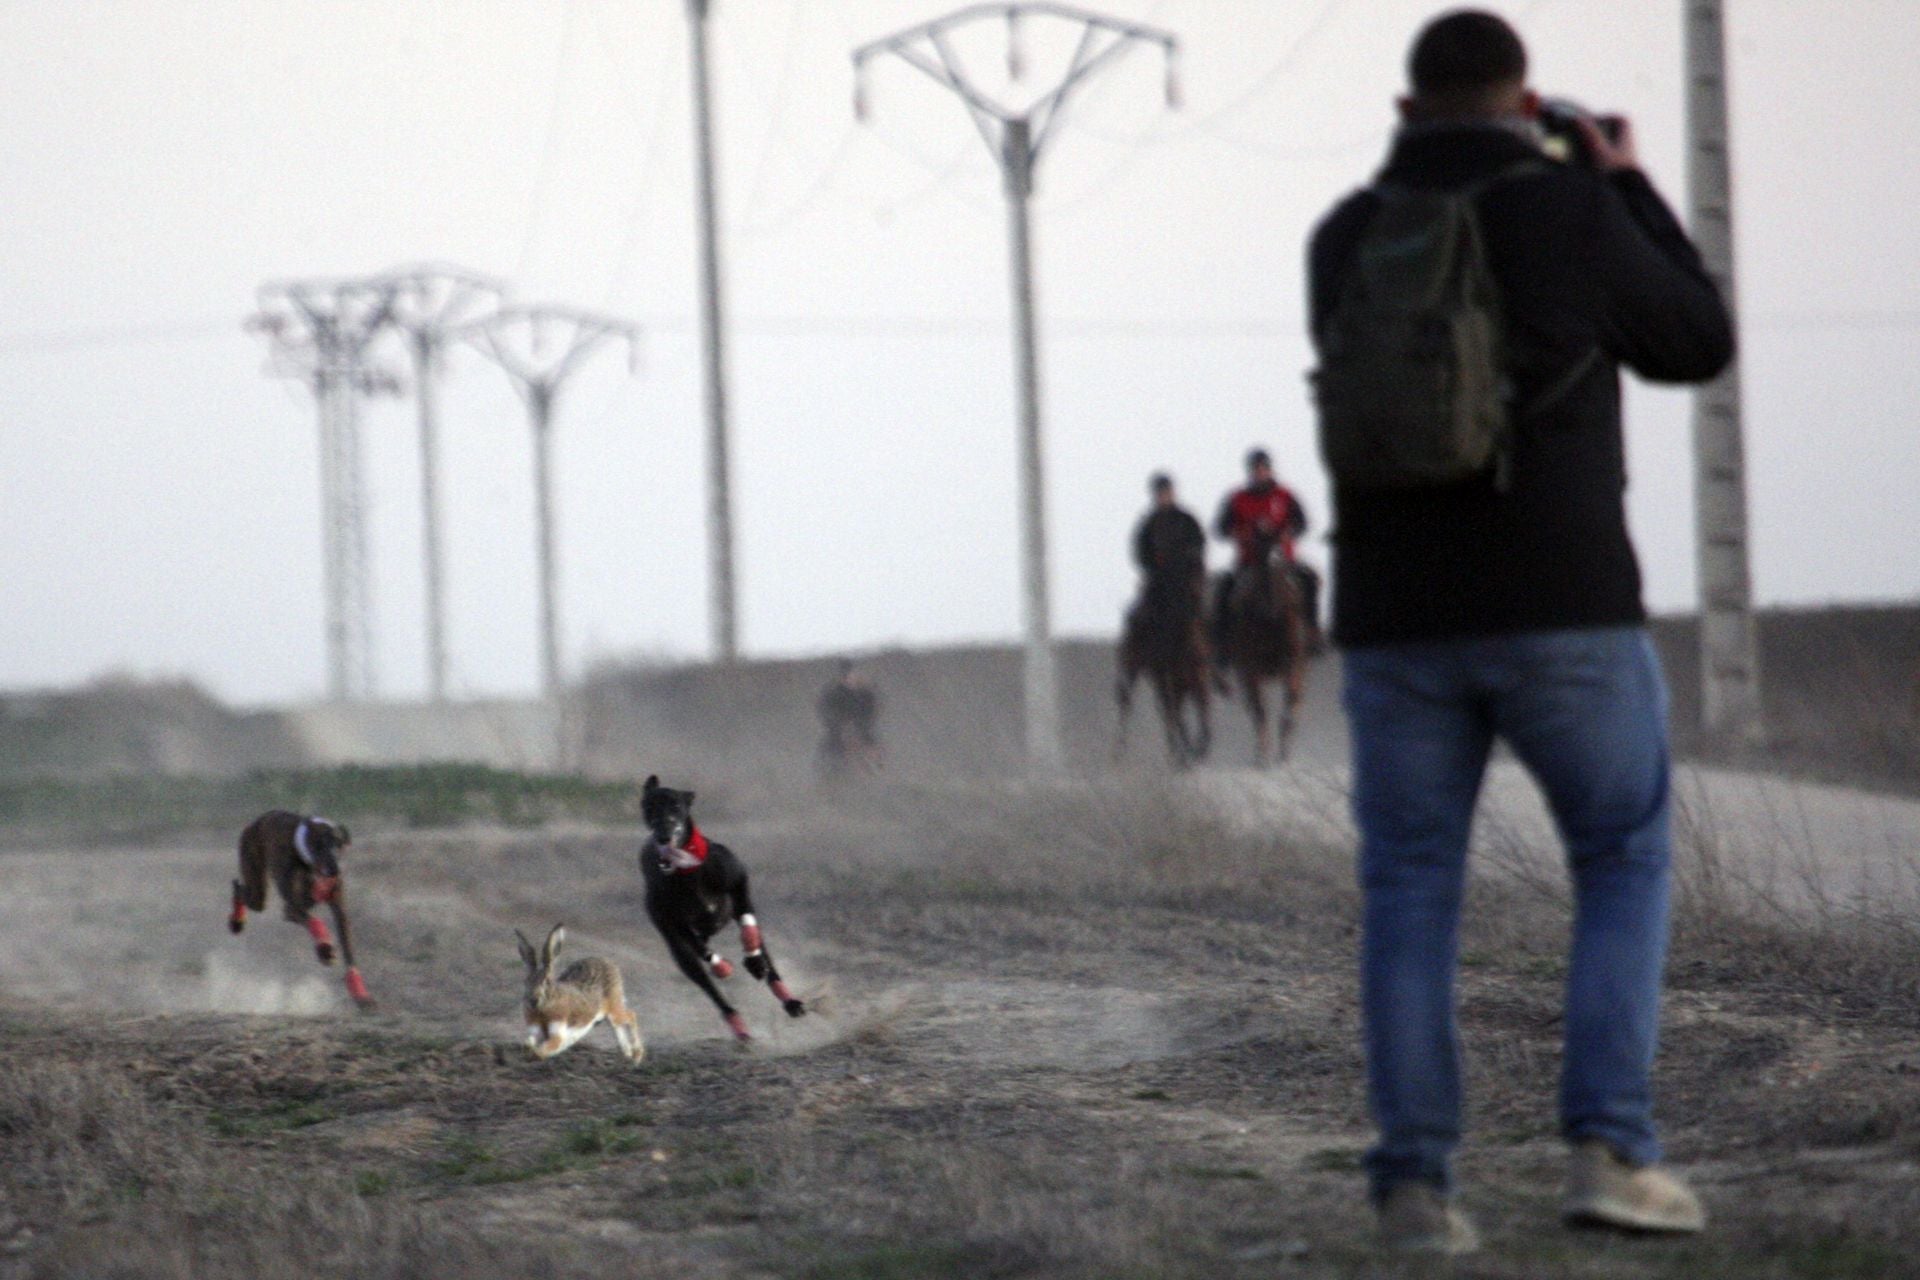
[235, 924]
[757, 964]
[794, 1007]
[325, 951]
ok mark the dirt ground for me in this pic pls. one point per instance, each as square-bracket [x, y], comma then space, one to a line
[1105, 1029]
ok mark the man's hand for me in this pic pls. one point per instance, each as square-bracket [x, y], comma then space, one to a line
[1609, 154]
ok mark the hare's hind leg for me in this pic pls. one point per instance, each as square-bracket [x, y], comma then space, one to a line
[626, 1029]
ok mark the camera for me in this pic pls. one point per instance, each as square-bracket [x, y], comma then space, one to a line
[1560, 135]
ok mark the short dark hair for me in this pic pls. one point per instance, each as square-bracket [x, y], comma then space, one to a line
[1158, 481]
[1464, 53]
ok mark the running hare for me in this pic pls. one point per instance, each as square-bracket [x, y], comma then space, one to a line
[561, 1010]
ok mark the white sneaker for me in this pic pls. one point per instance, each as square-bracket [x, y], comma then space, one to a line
[1605, 1191]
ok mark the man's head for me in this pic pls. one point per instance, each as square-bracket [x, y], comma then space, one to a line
[1160, 486]
[1468, 65]
[1259, 468]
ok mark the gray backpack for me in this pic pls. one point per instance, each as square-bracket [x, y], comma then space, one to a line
[1412, 388]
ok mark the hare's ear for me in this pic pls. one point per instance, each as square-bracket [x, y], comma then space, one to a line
[554, 939]
[527, 953]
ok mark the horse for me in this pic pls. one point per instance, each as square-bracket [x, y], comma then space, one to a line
[1165, 638]
[1266, 639]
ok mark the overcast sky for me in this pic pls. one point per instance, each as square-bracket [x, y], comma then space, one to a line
[159, 497]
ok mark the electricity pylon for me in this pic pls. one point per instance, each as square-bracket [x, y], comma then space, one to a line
[428, 303]
[1017, 136]
[1729, 648]
[722, 596]
[321, 331]
[521, 341]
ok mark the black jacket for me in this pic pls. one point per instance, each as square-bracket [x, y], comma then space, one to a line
[1169, 544]
[1586, 263]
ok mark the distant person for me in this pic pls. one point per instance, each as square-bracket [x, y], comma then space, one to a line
[1169, 546]
[1504, 602]
[1264, 513]
[849, 710]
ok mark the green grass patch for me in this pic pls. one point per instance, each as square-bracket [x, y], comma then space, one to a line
[372, 1182]
[465, 1159]
[470, 1162]
[427, 795]
[280, 1117]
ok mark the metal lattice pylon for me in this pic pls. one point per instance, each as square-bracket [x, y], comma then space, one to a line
[321, 331]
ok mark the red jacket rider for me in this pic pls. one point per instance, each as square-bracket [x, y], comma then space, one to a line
[1264, 507]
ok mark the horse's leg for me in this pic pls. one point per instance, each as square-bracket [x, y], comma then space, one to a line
[1203, 713]
[1257, 708]
[1176, 731]
[1293, 677]
[1289, 699]
[1123, 696]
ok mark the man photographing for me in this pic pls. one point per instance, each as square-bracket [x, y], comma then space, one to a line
[1486, 588]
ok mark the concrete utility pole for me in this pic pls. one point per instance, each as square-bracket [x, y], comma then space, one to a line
[428, 301]
[721, 591]
[321, 331]
[518, 339]
[1729, 649]
[1016, 137]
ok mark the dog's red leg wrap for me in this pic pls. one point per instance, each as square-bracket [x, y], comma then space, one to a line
[739, 1026]
[721, 967]
[237, 918]
[322, 940]
[357, 987]
[750, 934]
[780, 990]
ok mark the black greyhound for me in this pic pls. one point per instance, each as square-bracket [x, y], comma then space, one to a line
[694, 887]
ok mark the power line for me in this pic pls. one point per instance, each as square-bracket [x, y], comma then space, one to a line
[776, 111]
[544, 179]
[154, 334]
[816, 191]
[666, 74]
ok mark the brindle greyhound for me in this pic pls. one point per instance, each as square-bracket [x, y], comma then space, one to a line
[694, 887]
[301, 856]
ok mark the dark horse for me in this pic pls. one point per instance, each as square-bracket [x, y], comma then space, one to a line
[1266, 639]
[1165, 638]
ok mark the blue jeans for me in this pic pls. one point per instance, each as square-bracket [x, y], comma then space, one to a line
[1586, 713]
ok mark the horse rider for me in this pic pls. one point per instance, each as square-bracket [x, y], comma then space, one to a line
[1266, 513]
[1170, 547]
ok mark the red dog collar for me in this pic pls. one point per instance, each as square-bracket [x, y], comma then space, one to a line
[688, 856]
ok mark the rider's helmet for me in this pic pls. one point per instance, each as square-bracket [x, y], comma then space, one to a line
[1258, 458]
[1159, 482]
